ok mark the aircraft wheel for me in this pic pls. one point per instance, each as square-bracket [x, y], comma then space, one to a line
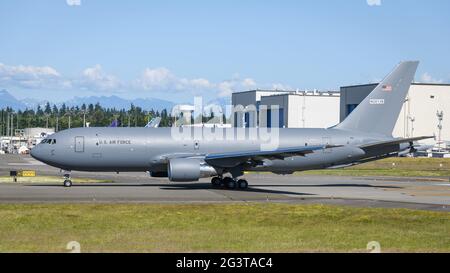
[67, 183]
[216, 181]
[230, 183]
[243, 184]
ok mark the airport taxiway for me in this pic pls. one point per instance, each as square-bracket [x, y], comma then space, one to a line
[428, 194]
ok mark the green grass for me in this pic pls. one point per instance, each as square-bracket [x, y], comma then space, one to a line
[219, 228]
[50, 179]
[408, 167]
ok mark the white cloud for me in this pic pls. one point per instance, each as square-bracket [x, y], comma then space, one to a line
[28, 76]
[73, 2]
[374, 2]
[248, 82]
[427, 78]
[280, 86]
[226, 88]
[162, 79]
[95, 78]
[155, 78]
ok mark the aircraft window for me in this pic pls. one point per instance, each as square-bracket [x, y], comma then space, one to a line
[44, 141]
[53, 141]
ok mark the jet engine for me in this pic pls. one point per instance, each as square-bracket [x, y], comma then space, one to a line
[188, 170]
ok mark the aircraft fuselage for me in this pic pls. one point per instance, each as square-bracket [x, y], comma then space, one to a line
[144, 149]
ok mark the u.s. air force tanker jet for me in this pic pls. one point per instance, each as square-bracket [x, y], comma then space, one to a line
[188, 154]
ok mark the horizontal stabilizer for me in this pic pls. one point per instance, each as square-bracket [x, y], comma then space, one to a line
[394, 142]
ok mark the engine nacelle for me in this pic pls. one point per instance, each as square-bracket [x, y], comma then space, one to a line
[188, 170]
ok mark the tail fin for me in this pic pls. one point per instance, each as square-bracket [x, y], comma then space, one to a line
[379, 111]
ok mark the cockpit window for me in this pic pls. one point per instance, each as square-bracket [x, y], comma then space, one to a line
[48, 141]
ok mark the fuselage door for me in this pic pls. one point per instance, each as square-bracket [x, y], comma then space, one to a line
[79, 144]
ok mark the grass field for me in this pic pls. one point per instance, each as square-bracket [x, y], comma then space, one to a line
[219, 228]
[411, 167]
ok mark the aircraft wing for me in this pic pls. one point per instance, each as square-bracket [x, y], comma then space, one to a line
[233, 159]
[393, 142]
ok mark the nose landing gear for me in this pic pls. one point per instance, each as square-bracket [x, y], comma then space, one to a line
[229, 183]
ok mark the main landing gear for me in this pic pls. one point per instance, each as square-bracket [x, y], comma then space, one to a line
[229, 183]
[67, 180]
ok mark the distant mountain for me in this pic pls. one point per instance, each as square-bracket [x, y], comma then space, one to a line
[7, 100]
[119, 103]
[33, 103]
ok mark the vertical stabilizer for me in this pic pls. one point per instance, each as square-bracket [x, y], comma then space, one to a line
[378, 112]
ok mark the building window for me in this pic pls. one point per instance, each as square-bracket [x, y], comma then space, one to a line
[247, 120]
[280, 118]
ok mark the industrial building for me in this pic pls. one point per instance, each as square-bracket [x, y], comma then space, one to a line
[426, 110]
[294, 109]
[23, 139]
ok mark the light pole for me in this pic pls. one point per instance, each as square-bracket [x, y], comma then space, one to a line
[84, 118]
[68, 113]
[440, 116]
[412, 119]
[46, 123]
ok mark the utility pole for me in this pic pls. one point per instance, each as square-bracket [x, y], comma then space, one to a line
[7, 124]
[12, 124]
[84, 118]
[412, 119]
[46, 122]
[440, 116]
[69, 114]
[11, 148]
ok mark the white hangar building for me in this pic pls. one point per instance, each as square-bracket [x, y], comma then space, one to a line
[295, 109]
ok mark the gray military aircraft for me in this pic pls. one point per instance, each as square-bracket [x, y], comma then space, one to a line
[365, 135]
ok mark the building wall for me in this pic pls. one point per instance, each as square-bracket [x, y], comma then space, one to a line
[299, 111]
[246, 99]
[320, 111]
[33, 132]
[353, 95]
[423, 101]
[282, 102]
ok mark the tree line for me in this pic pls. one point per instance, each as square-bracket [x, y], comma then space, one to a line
[64, 117]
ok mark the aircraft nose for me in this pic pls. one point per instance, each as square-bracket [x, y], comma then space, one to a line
[36, 153]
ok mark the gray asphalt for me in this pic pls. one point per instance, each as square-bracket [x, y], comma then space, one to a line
[433, 194]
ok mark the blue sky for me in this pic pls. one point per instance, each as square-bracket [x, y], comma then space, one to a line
[58, 49]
